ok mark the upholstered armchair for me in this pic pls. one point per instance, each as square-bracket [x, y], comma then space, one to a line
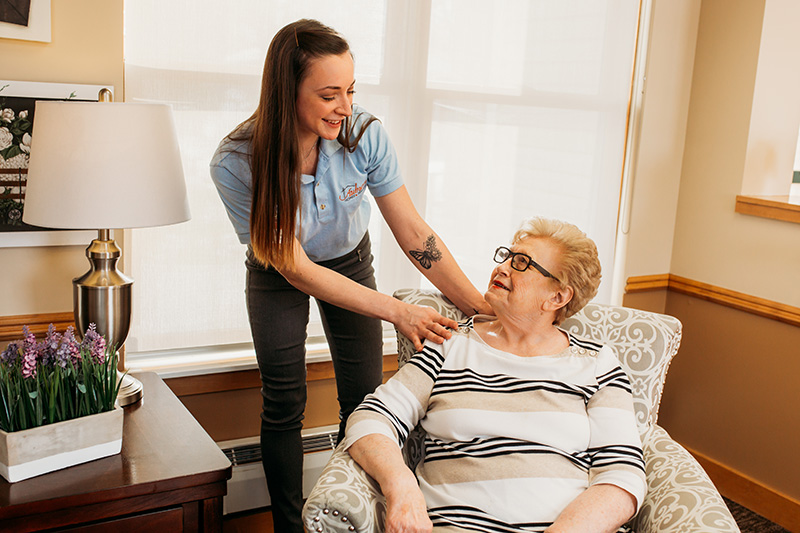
[680, 497]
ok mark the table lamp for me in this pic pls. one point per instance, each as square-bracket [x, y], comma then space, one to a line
[103, 165]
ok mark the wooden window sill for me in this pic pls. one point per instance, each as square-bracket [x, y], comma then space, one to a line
[786, 208]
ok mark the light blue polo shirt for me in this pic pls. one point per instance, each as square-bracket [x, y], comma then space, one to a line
[334, 211]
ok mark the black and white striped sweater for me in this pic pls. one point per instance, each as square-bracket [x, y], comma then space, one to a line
[511, 440]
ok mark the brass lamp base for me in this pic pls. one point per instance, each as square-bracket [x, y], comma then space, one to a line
[130, 391]
[102, 297]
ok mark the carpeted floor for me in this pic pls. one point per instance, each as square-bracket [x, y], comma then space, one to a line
[750, 522]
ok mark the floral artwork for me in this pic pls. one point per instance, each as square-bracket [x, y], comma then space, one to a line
[56, 379]
[17, 107]
[16, 124]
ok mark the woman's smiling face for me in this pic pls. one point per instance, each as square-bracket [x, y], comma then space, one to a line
[325, 97]
[520, 293]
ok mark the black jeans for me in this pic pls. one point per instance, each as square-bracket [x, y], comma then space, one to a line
[278, 319]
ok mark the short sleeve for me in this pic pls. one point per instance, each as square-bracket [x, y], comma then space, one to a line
[383, 168]
[230, 173]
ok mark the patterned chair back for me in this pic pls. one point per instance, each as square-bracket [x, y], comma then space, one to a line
[645, 343]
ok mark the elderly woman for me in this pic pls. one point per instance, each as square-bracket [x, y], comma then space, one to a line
[529, 428]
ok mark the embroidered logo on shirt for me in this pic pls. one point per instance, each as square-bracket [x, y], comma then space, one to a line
[351, 191]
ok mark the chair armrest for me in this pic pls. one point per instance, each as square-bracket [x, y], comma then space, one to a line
[680, 495]
[344, 499]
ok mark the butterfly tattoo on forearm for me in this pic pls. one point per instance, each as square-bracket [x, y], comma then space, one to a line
[429, 255]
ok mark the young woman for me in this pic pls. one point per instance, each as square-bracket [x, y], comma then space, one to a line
[292, 178]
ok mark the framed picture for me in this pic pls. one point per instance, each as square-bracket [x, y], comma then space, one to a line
[17, 107]
[28, 20]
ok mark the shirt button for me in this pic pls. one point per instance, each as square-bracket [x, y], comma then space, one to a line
[323, 206]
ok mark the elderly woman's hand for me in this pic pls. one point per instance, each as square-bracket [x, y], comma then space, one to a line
[380, 457]
[418, 323]
[406, 510]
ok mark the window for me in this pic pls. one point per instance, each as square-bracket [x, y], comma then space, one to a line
[520, 116]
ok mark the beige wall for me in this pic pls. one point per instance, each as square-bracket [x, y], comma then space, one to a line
[708, 129]
[659, 156]
[712, 243]
[86, 48]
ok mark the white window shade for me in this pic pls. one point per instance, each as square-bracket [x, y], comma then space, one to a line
[498, 110]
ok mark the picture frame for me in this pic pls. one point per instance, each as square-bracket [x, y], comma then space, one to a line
[17, 107]
[37, 27]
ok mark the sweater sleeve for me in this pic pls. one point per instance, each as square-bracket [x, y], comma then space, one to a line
[398, 405]
[615, 448]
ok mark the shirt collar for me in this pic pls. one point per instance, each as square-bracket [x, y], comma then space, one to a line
[329, 147]
[326, 148]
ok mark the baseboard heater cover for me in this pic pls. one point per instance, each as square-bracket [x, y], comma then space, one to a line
[247, 488]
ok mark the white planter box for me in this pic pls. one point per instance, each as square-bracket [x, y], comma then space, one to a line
[32, 452]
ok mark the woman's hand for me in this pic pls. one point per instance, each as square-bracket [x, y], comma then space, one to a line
[418, 323]
[380, 457]
[406, 511]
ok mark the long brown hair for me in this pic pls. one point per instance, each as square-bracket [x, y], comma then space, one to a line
[271, 131]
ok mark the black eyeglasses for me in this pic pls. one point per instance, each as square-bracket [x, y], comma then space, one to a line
[520, 262]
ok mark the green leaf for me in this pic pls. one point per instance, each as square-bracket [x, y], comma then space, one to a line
[82, 388]
[11, 151]
[33, 394]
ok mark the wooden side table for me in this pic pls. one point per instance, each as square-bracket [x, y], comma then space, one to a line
[170, 476]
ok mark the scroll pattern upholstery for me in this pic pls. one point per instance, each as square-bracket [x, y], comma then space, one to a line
[681, 497]
[644, 342]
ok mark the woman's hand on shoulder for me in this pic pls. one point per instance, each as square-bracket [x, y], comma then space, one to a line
[418, 322]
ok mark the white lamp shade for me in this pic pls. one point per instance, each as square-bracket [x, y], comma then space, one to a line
[98, 165]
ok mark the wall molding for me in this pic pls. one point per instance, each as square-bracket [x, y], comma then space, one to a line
[786, 208]
[11, 326]
[745, 491]
[719, 295]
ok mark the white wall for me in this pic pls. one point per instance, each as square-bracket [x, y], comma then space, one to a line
[775, 115]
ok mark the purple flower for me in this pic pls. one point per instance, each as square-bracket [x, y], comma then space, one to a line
[49, 346]
[68, 350]
[95, 344]
[30, 353]
[11, 353]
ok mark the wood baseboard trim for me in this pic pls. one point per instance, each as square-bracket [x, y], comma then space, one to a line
[773, 505]
[11, 326]
[705, 291]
